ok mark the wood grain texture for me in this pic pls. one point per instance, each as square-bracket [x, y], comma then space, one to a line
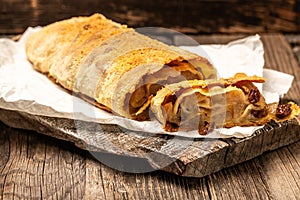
[142, 152]
[39, 167]
[294, 41]
[232, 16]
[36, 166]
[47, 168]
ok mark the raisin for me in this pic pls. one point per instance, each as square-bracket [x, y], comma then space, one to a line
[283, 110]
[171, 127]
[253, 96]
[203, 130]
[171, 98]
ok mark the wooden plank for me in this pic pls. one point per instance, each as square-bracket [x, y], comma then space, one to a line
[39, 168]
[274, 175]
[266, 177]
[281, 58]
[239, 182]
[207, 39]
[94, 182]
[44, 167]
[280, 172]
[294, 41]
[199, 159]
[186, 16]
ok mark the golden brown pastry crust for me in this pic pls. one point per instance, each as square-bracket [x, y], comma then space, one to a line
[104, 60]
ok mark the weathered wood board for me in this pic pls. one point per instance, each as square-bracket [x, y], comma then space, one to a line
[36, 166]
[142, 152]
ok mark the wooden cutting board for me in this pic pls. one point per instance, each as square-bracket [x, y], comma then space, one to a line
[142, 152]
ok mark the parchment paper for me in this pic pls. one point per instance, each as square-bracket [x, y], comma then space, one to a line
[24, 89]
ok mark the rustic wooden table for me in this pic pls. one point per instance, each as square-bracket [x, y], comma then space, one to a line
[36, 166]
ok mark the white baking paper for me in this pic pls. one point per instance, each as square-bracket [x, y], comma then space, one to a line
[24, 89]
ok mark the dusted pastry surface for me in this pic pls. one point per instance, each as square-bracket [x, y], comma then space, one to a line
[109, 63]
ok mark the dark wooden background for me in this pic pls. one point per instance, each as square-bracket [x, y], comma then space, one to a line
[35, 166]
[188, 16]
